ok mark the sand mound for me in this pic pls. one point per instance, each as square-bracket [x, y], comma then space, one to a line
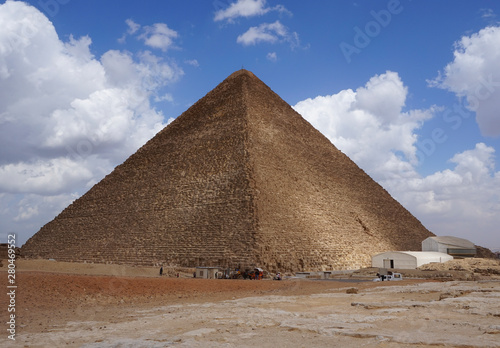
[477, 266]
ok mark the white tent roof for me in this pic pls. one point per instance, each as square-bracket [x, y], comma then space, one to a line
[420, 254]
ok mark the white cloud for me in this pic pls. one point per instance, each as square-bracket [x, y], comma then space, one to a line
[166, 97]
[272, 56]
[373, 97]
[192, 62]
[268, 32]
[159, 35]
[28, 212]
[43, 176]
[372, 128]
[464, 201]
[155, 73]
[474, 74]
[246, 8]
[242, 8]
[68, 118]
[487, 13]
[368, 124]
[132, 26]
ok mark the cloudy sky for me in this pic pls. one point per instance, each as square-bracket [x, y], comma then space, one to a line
[409, 90]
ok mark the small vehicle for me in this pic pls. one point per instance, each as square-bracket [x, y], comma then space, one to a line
[388, 277]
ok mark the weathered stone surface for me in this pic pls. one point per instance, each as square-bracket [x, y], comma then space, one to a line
[239, 179]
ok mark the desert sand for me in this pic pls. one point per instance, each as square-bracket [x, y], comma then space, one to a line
[86, 305]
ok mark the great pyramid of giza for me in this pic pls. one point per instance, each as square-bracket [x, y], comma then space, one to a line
[238, 180]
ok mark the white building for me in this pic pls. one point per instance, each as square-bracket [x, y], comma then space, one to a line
[207, 272]
[454, 246]
[408, 259]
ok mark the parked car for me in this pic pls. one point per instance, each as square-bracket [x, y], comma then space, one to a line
[388, 277]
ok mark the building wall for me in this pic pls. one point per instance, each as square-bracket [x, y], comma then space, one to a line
[430, 244]
[409, 260]
[402, 261]
[206, 273]
[438, 245]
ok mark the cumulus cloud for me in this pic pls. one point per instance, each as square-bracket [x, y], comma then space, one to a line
[474, 75]
[374, 97]
[43, 176]
[133, 27]
[246, 8]
[371, 126]
[158, 35]
[67, 118]
[265, 32]
[268, 32]
[462, 201]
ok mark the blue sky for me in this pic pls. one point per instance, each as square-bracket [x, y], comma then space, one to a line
[410, 90]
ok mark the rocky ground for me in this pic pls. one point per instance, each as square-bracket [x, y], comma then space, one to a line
[132, 307]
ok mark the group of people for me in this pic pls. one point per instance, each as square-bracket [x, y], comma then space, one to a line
[256, 274]
[253, 275]
[383, 277]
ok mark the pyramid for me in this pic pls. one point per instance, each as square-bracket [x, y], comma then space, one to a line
[240, 179]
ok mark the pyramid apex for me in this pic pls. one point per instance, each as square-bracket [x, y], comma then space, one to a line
[241, 72]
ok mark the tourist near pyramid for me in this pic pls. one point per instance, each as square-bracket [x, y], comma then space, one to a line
[238, 180]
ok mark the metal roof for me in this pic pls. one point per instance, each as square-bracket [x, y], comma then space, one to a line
[454, 241]
[418, 254]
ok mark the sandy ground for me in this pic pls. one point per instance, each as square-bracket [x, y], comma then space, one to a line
[80, 306]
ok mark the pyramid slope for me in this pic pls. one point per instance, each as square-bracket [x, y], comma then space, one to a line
[183, 195]
[332, 215]
[239, 179]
